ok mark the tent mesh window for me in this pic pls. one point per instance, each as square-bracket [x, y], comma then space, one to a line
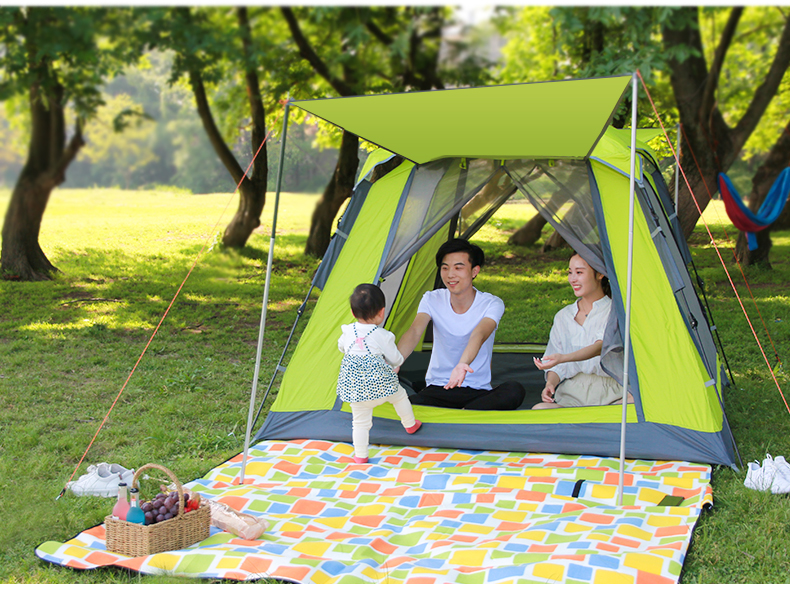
[560, 191]
[479, 209]
[437, 193]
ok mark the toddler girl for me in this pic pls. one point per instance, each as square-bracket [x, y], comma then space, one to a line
[368, 372]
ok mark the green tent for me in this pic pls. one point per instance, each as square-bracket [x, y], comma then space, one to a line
[466, 151]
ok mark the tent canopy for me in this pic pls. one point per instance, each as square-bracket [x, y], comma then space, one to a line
[558, 119]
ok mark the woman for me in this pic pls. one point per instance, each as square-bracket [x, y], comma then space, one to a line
[573, 354]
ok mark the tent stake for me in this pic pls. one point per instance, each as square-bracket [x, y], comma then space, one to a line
[265, 296]
[627, 330]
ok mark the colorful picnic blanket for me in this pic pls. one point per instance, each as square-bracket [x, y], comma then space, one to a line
[424, 515]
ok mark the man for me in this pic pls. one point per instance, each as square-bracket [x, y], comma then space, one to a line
[464, 323]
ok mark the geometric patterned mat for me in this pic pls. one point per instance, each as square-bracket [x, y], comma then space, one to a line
[425, 515]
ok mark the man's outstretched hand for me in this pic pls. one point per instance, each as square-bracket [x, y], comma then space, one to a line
[458, 375]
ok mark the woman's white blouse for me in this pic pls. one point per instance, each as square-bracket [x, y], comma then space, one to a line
[568, 336]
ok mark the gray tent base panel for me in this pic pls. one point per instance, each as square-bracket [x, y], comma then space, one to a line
[643, 440]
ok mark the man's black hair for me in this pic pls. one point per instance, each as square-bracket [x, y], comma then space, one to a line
[366, 301]
[475, 253]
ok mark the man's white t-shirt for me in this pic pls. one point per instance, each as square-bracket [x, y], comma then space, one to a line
[451, 332]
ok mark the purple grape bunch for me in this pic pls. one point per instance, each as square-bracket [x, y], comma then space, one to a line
[163, 507]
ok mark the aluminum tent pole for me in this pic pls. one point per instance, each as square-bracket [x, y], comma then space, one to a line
[265, 296]
[627, 330]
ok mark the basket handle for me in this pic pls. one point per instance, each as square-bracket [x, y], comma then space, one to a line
[172, 476]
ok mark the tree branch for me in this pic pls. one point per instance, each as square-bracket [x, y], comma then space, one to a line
[56, 174]
[687, 75]
[306, 51]
[712, 82]
[766, 91]
[422, 74]
[204, 111]
[378, 33]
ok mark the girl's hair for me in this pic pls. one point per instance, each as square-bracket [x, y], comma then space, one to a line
[366, 301]
[605, 285]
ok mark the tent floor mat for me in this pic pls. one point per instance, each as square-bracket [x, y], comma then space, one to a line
[425, 515]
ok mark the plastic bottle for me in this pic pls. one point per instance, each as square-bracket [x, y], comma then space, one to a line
[121, 506]
[135, 515]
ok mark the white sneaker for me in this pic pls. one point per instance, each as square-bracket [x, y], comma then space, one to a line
[781, 482]
[755, 477]
[101, 480]
[769, 471]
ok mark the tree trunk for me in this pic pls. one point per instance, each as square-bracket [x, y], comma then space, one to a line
[555, 241]
[252, 198]
[706, 146]
[252, 189]
[529, 233]
[763, 179]
[48, 157]
[22, 257]
[706, 136]
[252, 192]
[335, 194]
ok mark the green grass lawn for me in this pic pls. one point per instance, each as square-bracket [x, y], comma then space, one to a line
[67, 348]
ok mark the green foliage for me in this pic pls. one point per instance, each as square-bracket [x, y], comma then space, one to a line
[582, 42]
[756, 38]
[72, 47]
[531, 52]
[122, 155]
[549, 43]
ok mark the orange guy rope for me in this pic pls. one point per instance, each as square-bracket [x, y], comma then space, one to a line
[167, 310]
[715, 246]
[734, 254]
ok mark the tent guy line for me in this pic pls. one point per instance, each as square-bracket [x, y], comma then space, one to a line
[732, 248]
[201, 252]
[718, 253]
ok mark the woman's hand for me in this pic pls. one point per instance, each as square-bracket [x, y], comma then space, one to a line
[548, 362]
[547, 394]
[458, 375]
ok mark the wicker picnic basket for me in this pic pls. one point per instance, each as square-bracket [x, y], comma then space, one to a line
[135, 540]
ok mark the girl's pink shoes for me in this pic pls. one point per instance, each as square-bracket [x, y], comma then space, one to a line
[411, 430]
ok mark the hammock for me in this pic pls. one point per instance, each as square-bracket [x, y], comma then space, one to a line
[769, 211]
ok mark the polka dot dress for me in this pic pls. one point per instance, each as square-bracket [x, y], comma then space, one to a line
[364, 377]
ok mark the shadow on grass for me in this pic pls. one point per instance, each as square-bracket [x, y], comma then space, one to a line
[106, 291]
